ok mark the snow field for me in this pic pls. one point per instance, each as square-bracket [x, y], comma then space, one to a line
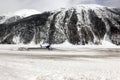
[62, 63]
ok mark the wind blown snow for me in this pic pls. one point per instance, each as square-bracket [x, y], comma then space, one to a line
[61, 63]
[26, 12]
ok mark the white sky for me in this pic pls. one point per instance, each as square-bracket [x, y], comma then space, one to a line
[43, 5]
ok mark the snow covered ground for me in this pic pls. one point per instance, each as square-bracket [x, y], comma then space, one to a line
[62, 63]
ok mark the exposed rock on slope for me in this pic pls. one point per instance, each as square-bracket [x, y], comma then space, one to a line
[81, 24]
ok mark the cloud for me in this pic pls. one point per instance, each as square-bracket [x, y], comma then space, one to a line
[49, 4]
[111, 3]
[44, 5]
[83, 1]
[40, 5]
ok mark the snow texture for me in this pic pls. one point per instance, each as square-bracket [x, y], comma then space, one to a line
[21, 13]
[62, 63]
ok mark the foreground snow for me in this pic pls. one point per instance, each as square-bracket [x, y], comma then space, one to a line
[61, 63]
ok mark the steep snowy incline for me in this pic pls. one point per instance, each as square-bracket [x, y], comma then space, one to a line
[80, 25]
[14, 16]
[90, 24]
[26, 12]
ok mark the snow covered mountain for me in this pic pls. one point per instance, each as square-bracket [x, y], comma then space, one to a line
[26, 12]
[13, 17]
[80, 24]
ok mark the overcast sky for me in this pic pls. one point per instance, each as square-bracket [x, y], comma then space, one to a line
[43, 5]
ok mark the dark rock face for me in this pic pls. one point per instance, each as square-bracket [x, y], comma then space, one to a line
[27, 29]
[98, 26]
[9, 19]
[1, 18]
[12, 19]
[52, 29]
[78, 26]
[114, 33]
[73, 35]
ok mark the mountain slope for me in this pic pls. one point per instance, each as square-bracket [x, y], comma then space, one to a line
[81, 24]
[13, 17]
